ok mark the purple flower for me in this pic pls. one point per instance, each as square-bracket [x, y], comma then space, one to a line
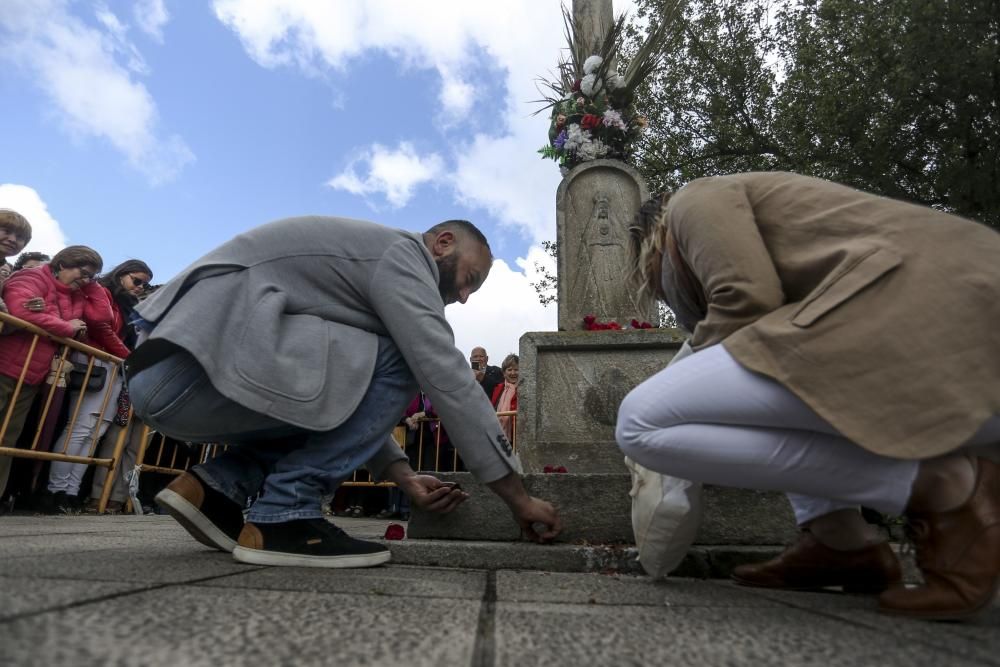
[560, 140]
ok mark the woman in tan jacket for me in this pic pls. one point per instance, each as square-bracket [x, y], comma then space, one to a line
[846, 352]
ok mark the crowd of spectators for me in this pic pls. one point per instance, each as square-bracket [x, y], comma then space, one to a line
[68, 296]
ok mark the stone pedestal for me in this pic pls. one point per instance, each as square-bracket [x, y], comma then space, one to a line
[571, 386]
[596, 509]
[595, 205]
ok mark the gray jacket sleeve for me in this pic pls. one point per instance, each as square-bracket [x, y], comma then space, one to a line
[404, 294]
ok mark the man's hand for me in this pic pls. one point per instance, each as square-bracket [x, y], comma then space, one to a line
[536, 515]
[425, 491]
[528, 511]
[479, 375]
[431, 495]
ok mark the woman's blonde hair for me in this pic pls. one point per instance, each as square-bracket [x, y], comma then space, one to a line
[509, 361]
[647, 243]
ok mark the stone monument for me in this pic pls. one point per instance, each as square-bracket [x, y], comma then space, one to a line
[573, 380]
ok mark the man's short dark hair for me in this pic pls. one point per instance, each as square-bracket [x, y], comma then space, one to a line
[463, 226]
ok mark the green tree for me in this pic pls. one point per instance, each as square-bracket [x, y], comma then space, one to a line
[900, 97]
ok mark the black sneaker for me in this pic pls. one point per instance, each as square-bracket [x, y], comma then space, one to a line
[210, 517]
[306, 543]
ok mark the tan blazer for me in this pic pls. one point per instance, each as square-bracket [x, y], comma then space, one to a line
[883, 316]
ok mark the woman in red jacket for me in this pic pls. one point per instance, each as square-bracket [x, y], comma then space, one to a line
[505, 395]
[107, 318]
[62, 285]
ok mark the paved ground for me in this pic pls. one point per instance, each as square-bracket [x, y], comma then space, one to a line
[137, 591]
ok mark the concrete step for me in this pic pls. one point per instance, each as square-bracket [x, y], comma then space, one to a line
[596, 509]
[711, 562]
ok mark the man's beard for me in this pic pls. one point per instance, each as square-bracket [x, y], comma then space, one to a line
[447, 269]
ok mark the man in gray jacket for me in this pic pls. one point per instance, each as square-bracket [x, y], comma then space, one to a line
[301, 342]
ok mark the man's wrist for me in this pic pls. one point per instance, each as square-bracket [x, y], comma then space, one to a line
[511, 490]
[399, 472]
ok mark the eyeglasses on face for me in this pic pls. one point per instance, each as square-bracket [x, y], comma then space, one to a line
[138, 283]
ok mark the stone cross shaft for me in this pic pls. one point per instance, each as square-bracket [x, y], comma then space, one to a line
[593, 19]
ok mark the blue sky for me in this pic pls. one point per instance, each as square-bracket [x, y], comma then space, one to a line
[158, 129]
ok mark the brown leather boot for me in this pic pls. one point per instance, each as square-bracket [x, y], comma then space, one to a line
[959, 554]
[809, 564]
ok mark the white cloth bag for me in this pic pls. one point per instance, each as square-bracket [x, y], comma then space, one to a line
[666, 512]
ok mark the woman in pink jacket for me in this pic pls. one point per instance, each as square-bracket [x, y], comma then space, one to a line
[107, 329]
[63, 285]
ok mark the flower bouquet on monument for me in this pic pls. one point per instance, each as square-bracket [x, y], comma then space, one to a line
[591, 103]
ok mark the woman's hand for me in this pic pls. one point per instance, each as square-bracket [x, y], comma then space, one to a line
[79, 328]
[413, 420]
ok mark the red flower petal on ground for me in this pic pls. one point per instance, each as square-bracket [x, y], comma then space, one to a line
[394, 532]
[561, 469]
[589, 319]
[635, 324]
[549, 469]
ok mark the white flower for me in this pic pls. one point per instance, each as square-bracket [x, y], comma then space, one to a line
[616, 81]
[591, 64]
[590, 85]
[575, 137]
[613, 118]
[592, 150]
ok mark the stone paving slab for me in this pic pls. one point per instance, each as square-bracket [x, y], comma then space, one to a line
[620, 590]
[192, 625]
[978, 639]
[28, 595]
[394, 580]
[47, 545]
[153, 563]
[573, 635]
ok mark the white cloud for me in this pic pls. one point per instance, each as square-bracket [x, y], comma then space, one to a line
[394, 174]
[503, 309]
[463, 42]
[494, 173]
[457, 96]
[151, 16]
[46, 234]
[77, 67]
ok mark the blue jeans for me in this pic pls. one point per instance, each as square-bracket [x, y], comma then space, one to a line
[291, 467]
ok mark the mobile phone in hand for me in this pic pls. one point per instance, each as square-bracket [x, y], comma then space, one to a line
[477, 366]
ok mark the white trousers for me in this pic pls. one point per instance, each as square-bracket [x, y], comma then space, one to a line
[91, 422]
[708, 419]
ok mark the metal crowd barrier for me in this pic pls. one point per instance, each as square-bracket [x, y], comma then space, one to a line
[426, 452]
[56, 370]
[427, 456]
